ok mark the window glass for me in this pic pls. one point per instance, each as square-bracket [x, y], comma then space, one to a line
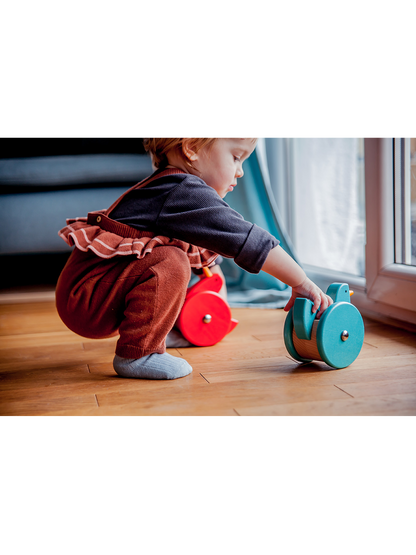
[405, 201]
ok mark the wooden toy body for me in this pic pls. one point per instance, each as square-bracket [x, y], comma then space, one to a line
[336, 338]
[205, 317]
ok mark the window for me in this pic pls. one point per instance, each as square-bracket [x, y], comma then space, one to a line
[390, 281]
[405, 201]
[349, 207]
[327, 205]
[413, 197]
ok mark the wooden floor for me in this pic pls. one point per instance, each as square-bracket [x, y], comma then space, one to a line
[47, 370]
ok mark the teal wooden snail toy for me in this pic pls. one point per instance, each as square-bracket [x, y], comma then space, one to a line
[336, 338]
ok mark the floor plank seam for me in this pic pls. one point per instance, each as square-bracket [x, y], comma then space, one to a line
[344, 391]
[370, 345]
[204, 377]
[237, 413]
[96, 400]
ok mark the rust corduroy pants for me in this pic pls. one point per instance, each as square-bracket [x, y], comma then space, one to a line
[139, 299]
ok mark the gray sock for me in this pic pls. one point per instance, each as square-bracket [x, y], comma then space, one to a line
[175, 339]
[152, 367]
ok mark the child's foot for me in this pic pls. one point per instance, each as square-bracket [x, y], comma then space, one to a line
[175, 339]
[152, 367]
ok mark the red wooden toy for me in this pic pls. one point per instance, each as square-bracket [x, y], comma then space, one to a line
[205, 317]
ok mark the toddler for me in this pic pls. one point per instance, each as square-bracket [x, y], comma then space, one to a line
[131, 265]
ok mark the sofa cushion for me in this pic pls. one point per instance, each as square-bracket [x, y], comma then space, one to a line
[21, 175]
[30, 223]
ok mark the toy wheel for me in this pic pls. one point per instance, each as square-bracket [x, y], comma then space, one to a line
[340, 334]
[205, 319]
[288, 337]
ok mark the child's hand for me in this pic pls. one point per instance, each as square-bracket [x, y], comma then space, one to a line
[309, 290]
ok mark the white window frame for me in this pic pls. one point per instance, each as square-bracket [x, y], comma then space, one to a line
[388, 290]
[390, 286]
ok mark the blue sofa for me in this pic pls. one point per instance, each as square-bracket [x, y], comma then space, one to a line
[45, 181]
[42, 185]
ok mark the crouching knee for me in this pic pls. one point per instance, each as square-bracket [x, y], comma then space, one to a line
[176, 269]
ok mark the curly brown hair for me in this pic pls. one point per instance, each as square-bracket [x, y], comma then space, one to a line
[160, 148]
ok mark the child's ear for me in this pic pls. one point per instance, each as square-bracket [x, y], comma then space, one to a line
[188, 151]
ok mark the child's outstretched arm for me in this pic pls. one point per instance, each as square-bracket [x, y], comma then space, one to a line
[282, 266]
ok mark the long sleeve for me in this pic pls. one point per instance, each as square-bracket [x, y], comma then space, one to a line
[184, 207]
[195, 213]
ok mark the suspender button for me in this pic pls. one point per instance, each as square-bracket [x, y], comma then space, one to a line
[98, 219]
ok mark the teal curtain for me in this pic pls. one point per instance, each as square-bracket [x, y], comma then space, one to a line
[251, 199]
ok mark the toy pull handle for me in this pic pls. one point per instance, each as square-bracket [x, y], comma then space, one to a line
[207, 272]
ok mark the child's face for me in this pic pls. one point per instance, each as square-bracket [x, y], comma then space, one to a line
[221, 164]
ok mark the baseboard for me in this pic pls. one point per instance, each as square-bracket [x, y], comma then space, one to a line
[27, 295]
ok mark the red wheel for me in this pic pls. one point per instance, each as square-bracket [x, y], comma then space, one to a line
[205, 319]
